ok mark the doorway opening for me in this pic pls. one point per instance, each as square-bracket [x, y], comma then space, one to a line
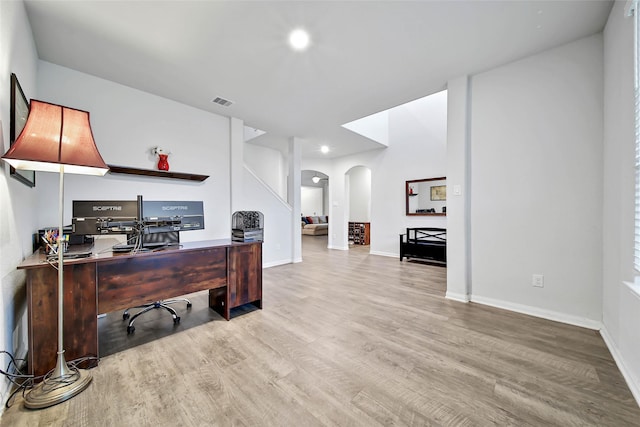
[358, 191]
[314, 204]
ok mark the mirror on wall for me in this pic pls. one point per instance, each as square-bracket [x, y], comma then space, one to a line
[427, 196]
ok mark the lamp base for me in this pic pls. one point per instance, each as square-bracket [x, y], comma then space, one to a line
[54, 390]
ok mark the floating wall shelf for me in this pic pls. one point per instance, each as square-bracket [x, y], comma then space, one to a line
[156, 173]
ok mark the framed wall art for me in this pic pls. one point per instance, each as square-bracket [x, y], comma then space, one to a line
[439, 192]
[19, 113]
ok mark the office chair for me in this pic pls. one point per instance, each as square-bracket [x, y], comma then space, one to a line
[153, 305]
[154, 241]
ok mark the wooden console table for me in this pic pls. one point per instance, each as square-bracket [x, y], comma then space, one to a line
[104, 282]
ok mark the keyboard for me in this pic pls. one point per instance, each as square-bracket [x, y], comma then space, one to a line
[72, 254]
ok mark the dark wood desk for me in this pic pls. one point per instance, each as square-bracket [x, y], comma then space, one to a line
[104, 282]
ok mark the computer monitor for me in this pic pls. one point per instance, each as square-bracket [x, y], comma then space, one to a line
[99, 217]
[147, 224]
[163, 216]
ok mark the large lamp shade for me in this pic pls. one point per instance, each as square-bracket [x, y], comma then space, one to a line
[57, 139]
[53, 136]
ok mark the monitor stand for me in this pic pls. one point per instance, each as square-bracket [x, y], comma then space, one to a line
[150, 242]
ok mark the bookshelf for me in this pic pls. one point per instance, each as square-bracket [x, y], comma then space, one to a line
[359, 233]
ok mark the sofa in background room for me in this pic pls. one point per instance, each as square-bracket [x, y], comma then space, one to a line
[315, 225]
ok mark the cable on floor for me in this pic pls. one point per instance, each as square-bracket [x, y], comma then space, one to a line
[23, 382]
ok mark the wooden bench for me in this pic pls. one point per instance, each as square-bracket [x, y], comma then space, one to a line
[429, 244]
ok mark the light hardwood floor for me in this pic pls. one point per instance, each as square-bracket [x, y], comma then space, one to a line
[347, 339]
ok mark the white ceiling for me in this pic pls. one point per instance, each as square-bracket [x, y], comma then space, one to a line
[365, 57]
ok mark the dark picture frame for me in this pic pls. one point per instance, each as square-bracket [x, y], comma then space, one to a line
[417, 205]
[439, 192]
[19, 112]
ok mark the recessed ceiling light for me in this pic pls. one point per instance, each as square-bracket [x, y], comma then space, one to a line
[299, 39]
[324, 149]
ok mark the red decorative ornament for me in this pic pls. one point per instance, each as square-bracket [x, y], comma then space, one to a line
[163, 162]
[163, 158]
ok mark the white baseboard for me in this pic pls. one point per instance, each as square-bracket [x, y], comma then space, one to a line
[387, 254]
[457, 297]
[276, 263]
[339, 248]
[538, 312]
[633, 383]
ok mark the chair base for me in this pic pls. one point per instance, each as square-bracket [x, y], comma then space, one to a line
[151, 306]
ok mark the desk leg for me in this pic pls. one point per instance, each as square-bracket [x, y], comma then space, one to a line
[219, 302]
[80, 316]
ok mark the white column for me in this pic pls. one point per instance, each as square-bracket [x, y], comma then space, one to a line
[293, 196]
[459, 190]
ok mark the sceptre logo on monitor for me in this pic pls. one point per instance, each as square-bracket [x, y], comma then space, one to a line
[174, 208]
[107, 208]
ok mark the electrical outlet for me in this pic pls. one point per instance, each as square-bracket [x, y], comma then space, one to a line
[537, 280]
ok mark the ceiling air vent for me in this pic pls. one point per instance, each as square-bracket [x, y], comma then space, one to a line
[221, 101]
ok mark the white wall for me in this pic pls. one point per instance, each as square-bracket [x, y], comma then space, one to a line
[126, 123]
[536, 169]
[360, 194]
[325, 197]
[268, 164]
[621, 304]
[17, 215]
[278, 217]
[250, 193]
[417, 150]
[311, 200]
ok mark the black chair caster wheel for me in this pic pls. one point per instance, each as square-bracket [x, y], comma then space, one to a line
[130, 330]
[176, 320]
[125, 316]
[189, 305]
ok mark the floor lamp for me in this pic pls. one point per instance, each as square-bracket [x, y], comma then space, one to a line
[57, 139]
